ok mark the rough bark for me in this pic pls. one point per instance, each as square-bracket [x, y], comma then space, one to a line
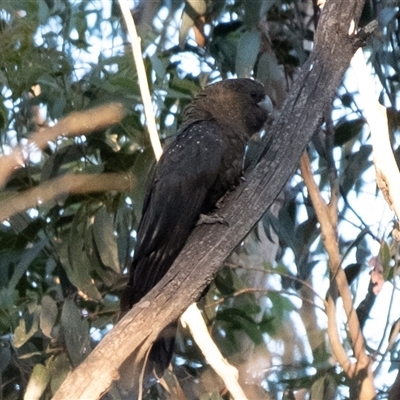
[208, 246]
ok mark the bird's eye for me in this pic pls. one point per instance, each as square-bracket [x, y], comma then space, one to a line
[255, 95]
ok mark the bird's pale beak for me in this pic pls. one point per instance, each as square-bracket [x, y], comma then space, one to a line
[266, 103]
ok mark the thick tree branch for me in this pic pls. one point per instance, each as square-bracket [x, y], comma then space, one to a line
[208, 246]
[387, 172]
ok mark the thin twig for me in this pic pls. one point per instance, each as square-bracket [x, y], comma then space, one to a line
[327, 217]
[266, 291]
[337, 348]
[273, 271]
[142, 78]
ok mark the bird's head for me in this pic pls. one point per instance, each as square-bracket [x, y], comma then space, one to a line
[238, 103]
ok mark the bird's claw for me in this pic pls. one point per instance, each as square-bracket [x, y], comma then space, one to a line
[211, 219]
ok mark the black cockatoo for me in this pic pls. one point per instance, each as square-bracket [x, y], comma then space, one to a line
[203, 162]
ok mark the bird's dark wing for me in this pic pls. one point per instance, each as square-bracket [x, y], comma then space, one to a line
[203, 163]
[181, 180]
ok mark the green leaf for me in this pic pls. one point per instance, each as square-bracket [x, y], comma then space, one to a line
[186, 86]
[43, 12]
[357, 163]
[385, 258]
[58, 108]
[224, 282]
[28, 326]
[3, 116]
[159, 65]
[252, 10]
[74, 257]
[8, 298]
[38, 382]
[324, 387]
[106, 274]
[268, 68]
[60, 368]
[347, 130]
[239, 319]
[48, 315]
[105, 239]
[76, 332]
[223, 44]
[267, 324]
[5, 355]
[281, 305]
[26, 260]
[59, 162]
[247, 52]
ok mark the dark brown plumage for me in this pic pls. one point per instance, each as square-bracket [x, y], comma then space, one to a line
[196, 169]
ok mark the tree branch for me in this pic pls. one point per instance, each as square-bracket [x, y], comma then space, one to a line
[327, 217]
[194, 320]
[142, 79]
[75, 124]
[208, 246]
[53, 189]
[387, 172]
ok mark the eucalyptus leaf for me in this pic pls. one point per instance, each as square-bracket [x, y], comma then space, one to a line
[323, 388]
[74, 258]
[48, 315]
[28, 326]
[385, 258]
[76, 332]
[43, 12]
[5, 355]
[347, 130]
[105, 239]
[60, 367]
[26, 260]
[247, 52]
[356, 164]
[38, 382]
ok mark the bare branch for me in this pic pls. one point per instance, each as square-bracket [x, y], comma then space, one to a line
[142, 78]
[387, 172]
[75, 124]
[327, 217]
[193, 319]
[337, 348]
[51, 190]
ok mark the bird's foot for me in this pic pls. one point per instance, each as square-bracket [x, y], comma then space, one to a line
[211, 219]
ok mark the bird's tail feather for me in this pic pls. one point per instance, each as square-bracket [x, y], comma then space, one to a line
[163, 348]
